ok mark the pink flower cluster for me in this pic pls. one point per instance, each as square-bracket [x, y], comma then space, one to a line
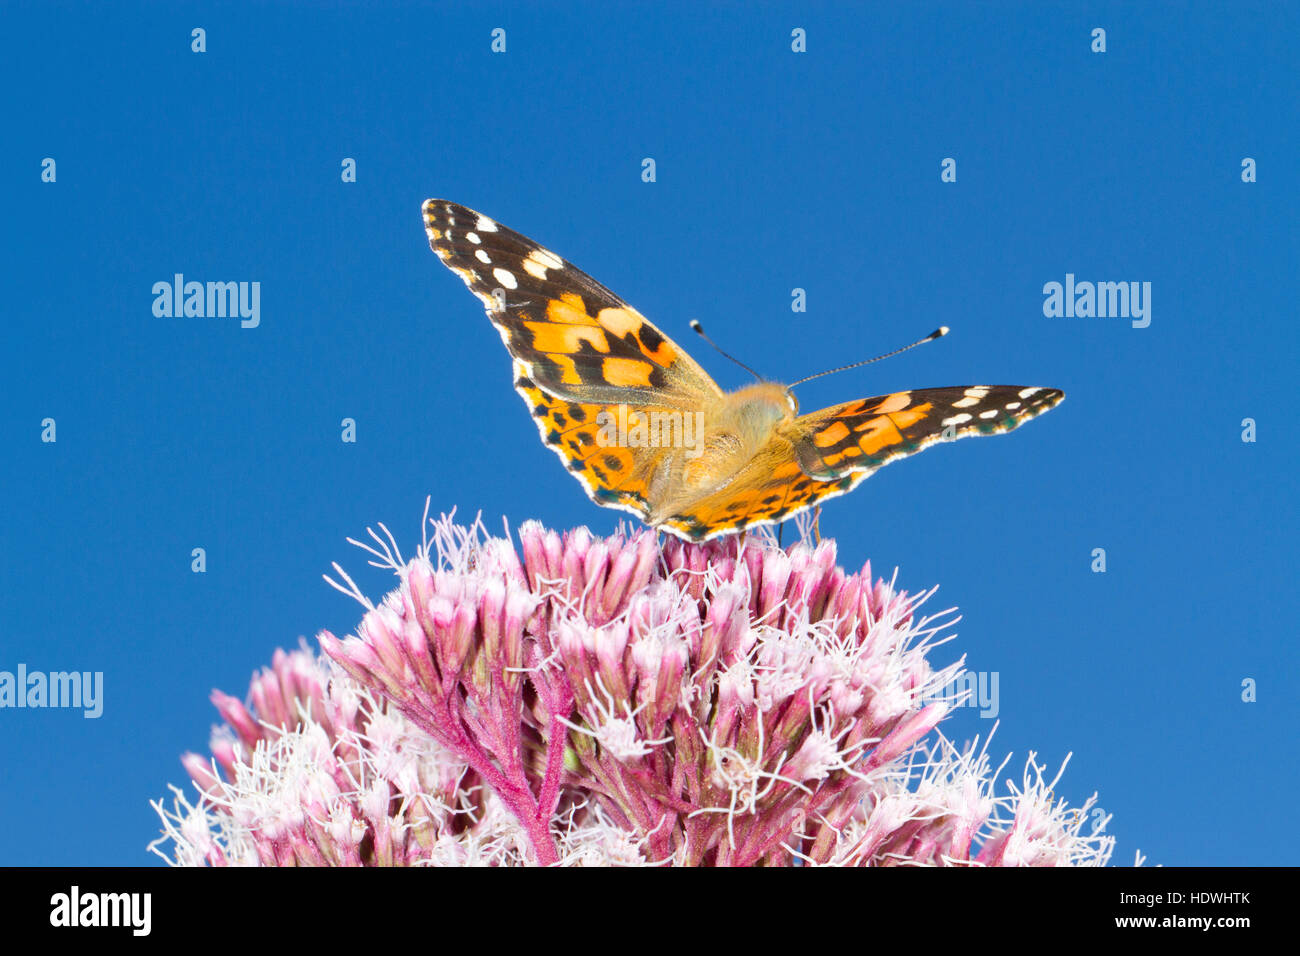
[613, 700]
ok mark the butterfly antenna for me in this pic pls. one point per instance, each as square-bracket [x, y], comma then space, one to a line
[695, 324]
[938, 333]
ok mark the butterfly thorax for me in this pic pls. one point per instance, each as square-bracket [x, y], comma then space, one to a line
[734, 430]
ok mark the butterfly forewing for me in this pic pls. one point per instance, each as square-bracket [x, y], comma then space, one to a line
[577, 339]
[866, 434]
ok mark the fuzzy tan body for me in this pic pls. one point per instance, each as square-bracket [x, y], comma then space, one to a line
[736, 428]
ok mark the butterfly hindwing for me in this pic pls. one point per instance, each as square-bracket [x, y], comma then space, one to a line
[613, 476]
[770, 489]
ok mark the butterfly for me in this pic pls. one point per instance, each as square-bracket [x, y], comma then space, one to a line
[645, 429]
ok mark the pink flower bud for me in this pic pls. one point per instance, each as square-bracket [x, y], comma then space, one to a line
[201, 773]
[907, 733]
[237, 716]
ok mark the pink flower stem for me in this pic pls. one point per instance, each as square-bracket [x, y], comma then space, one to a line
[629, 795]
[776, 824]
[557, 699]
[548, 798]
[513, 789]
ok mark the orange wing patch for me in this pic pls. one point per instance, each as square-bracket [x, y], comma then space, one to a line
[626, 372]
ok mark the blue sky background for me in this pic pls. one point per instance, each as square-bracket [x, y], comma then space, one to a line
[775, 170]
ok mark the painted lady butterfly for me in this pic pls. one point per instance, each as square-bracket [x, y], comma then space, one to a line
[644, 428]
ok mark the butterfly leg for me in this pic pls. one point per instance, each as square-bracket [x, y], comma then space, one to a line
[780, 530]
[817, 528]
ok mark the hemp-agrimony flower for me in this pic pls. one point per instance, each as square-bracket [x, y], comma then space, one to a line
[621, 700]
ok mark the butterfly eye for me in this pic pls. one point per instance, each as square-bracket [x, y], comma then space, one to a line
[794, 402]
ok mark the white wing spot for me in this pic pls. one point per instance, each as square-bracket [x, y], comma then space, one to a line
[1012, 406]
[991, 413]
[1026, 392]
[482, 256]
[535, 269]
[546, 259]
[507, 279]
[473, 237]
[485, 224]
[974, 395]
[957, 419]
